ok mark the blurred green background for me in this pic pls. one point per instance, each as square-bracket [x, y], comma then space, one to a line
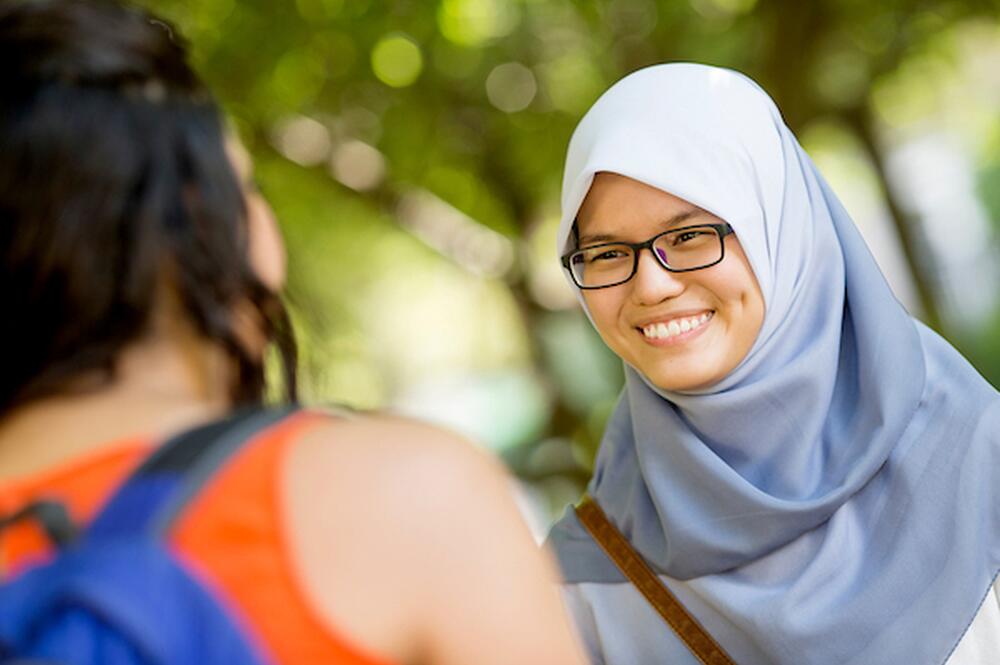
[413, 154]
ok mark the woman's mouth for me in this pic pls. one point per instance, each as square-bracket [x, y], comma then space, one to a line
[675, 329]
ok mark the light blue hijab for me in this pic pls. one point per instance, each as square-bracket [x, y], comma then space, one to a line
[836, 498]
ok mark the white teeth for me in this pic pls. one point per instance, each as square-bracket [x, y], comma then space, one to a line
[675, 327]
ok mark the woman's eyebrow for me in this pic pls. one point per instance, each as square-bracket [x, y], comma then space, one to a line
[682, 216]
[592, 238]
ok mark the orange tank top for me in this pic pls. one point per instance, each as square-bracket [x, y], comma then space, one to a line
[233, 534]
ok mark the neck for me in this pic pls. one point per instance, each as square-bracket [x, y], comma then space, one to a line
[162, 384]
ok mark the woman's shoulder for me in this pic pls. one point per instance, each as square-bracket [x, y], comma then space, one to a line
[381, 512]
[378, 453]
[398, 482]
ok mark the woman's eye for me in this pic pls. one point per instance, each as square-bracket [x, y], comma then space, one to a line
[608, 255]
[687, 237]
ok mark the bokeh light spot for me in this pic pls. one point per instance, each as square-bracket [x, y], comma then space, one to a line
[572, 81]
[511, 87]
[358, 165]
[303, 140]
[397, 60]
[297, 79]
[475, 22]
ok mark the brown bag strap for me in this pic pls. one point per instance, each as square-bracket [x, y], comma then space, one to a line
[641, 575]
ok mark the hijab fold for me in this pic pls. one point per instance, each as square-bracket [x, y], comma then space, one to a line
[835, 498]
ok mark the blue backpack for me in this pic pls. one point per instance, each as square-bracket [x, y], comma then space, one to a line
[116, 595]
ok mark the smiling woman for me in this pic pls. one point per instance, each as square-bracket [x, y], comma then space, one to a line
[682, 323]
[805, 467]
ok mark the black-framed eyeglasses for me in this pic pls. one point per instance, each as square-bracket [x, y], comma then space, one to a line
[677, 250]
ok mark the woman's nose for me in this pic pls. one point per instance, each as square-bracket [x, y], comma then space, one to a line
[652, 283]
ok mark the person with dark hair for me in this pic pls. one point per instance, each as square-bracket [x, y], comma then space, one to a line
[140, 274]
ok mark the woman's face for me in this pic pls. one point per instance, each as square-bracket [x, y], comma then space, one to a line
[722, 304]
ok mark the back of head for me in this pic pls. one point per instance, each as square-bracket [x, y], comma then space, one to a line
[114, 181]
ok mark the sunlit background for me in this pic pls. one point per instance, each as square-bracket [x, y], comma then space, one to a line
[413, 153]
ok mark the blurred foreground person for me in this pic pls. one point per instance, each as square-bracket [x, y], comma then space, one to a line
[140, 273]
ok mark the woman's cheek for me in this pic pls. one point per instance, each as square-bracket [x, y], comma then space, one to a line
[267, 250]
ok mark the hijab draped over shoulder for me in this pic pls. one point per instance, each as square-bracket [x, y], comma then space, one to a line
[836, 498]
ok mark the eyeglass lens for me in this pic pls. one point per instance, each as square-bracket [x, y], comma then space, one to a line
[684, 249]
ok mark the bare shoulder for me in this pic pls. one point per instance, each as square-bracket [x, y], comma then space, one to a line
[376, 507]
[375, 455]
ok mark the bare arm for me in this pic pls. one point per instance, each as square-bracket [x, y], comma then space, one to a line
[410, 543]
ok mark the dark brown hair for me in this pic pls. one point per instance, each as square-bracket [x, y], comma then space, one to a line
[113, 174]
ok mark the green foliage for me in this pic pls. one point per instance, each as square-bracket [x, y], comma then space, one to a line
[407, 86]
